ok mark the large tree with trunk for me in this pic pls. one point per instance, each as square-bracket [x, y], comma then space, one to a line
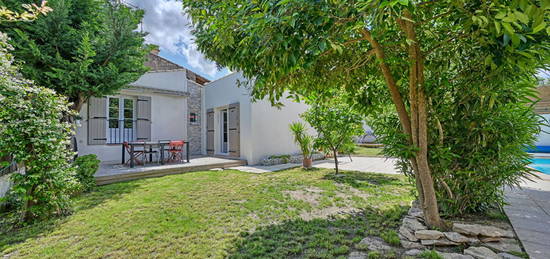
[414, 53]
[83, 48]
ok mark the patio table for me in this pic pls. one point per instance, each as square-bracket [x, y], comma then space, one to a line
[151, 144]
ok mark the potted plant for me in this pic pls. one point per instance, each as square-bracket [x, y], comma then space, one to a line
[305, 142]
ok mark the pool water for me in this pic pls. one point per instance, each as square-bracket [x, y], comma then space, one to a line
[541, 164]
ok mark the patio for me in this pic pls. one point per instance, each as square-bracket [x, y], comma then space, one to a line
[112, 173]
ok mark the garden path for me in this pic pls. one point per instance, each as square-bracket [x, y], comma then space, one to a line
[529, 212]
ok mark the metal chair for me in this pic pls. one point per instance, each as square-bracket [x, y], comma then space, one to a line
[175, 150]
[137, 154]
[150, 151]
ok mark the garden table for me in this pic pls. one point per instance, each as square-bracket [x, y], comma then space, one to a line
[150, 145]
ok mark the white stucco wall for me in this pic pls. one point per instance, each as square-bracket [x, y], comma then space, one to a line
[263, 129]
[270, 129]
[171, 80]
[221, 93]
[168, 122]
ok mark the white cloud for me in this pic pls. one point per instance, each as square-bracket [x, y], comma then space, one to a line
[170, 28]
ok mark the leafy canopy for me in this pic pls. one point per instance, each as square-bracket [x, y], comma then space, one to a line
[479, 60]
[302, 45]
[80, 49]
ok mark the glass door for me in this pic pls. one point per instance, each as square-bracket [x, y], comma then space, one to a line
[224, 131]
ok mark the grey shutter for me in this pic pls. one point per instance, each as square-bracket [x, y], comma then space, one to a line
[210, 132]
[97, 121]
[143, 123]
[234, 130]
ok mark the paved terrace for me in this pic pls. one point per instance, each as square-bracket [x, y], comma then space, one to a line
[529, 213]
[112, 173]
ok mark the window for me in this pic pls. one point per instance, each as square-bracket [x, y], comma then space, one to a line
[192, 117]
[121, 111]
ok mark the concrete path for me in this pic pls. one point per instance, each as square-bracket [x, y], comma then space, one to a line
[529, 212]
[260, 169]
[362, 164]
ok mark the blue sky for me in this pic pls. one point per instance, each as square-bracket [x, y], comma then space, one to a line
[170, 29]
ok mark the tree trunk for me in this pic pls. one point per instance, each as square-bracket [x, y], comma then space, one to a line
[27, 205]
[414, 126]
[335, 154]
[419, 125]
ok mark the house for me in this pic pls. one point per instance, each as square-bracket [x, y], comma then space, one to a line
[163, 104]
[240, 128]
[542, 107]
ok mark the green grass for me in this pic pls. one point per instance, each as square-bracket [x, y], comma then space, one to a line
[430, 254]
[218, 214]
[367, 151]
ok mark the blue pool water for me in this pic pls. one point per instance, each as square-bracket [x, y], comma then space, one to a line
[541, 164]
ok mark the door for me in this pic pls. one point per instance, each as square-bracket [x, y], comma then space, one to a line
[210, 132]
[224, 130]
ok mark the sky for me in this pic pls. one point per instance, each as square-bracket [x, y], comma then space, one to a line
[169, 28]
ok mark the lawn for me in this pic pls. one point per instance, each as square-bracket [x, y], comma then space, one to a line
[367, 151]
[215, 214]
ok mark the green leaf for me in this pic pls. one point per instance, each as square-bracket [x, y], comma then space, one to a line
[521, 17]
[508, 28]
[323, 45]
[539, 27]
[283, 2]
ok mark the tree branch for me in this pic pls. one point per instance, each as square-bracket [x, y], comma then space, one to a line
[390, 81]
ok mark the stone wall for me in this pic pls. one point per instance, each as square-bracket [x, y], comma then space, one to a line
[194, 106]
[157, 63]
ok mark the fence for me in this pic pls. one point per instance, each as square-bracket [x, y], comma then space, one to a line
[5, 182]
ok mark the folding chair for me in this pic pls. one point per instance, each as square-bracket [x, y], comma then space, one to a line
[175, 151]
[138, 154]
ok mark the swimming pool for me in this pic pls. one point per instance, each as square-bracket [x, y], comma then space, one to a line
[541, 164]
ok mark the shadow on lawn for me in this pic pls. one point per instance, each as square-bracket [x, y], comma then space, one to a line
[318, 238]
[362, 180]
[11, 234]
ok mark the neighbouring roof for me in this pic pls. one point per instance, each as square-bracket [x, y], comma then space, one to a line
[543, 106]
[160, 64]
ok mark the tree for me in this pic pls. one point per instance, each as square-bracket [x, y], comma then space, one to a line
[407, 52]
[336, 125]
[31, 12]
[81, 49]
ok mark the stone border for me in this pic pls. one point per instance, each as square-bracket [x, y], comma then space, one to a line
[480, 241]
[294, 159]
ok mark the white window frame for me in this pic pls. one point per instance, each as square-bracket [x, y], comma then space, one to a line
[121, 119]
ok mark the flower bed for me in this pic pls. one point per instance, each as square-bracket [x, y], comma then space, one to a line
[285, 159]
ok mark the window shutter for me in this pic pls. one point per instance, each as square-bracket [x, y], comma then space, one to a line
[234, 130]
[210, 132]
[143, 122]
[97, 121]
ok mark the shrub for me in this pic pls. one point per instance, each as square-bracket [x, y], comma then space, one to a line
[301, 138]
[479, 146]
[86, 167]
[32, 132]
